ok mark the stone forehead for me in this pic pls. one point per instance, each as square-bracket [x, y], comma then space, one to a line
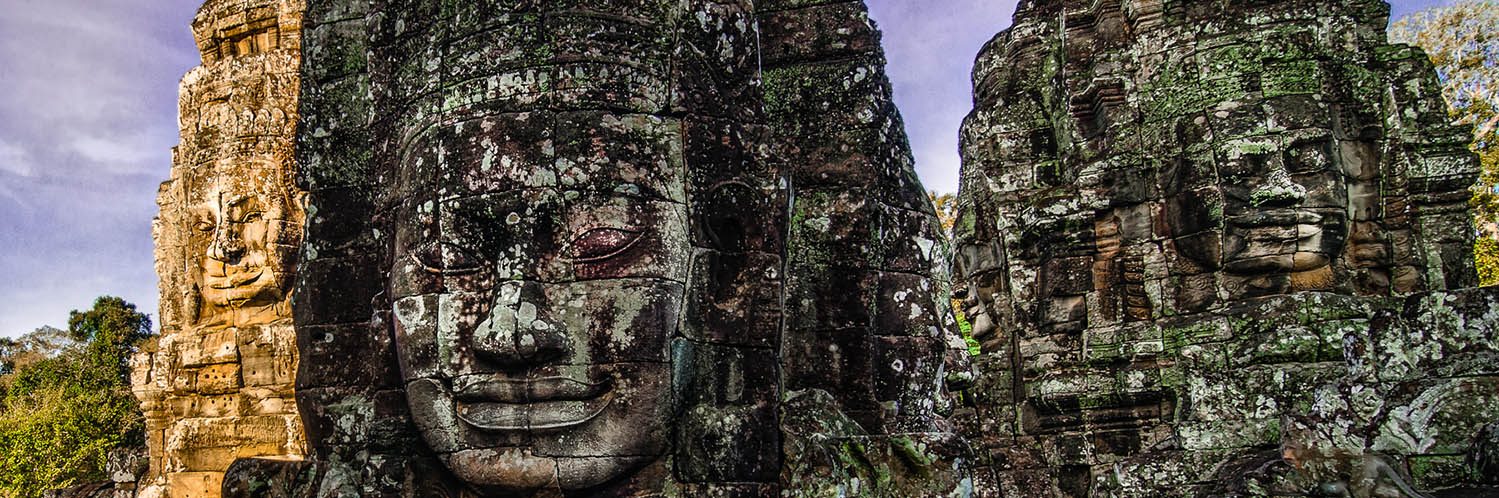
[462, 154]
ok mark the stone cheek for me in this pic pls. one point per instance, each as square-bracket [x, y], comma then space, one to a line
[1180, 229]
[217, 384]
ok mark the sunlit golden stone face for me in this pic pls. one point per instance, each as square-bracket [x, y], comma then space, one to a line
[242, 227]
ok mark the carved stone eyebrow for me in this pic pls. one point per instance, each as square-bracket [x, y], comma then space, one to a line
[238, 200]
[235, 201]
[486, 207]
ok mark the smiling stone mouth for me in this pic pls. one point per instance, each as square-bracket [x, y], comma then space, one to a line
[1277, 218]
[542, 404]
[230, 280]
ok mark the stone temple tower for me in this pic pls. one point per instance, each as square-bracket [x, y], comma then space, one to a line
[218, 384]
[1220, 248]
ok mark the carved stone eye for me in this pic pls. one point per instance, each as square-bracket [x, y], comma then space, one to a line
[441, 258]
[601, 243]
[251, 217]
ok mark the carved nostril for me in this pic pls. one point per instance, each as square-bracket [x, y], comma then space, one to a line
[515, 336]
[226, 246]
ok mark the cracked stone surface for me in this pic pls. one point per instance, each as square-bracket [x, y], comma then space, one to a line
[617, 248]
[677, 248]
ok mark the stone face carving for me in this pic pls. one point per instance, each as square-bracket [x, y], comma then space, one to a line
[532, 316]
[542, 242]
[245, 232]
[1181, 229]
[677, 248]
[550, 250]
[217, 386]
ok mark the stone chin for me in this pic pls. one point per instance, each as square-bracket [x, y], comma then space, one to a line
[505, 472]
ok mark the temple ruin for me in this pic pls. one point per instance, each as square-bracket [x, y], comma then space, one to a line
[1220, 249]
[677, 248]
[217, 385]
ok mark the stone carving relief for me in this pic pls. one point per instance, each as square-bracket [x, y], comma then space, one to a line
[550, 249]
[677, 248]
[245, 232]
[1180, 226]
[217, 385]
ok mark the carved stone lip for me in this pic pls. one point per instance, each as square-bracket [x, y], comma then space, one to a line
[1277, 218]
[500, 389]
[236, 279]
[533, 416]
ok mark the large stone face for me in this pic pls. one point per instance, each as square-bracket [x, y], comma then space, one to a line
[217, 385]
[617, 248]
[1187, 233]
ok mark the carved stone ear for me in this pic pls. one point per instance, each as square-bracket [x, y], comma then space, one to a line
[723, 215]
[193, 304]
[298, 199]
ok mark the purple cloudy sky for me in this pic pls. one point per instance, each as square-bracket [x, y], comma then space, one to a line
[88, 93]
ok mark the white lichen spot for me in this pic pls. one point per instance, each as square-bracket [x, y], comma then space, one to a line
[927, 246]
[821, 223]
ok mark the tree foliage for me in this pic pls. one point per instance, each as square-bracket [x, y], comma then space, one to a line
[1463, 43]
[66, 401]
[31, 348]
[947, 210]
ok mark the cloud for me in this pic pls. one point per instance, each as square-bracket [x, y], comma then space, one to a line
[107, 151]
[88, 105]
[13, 158]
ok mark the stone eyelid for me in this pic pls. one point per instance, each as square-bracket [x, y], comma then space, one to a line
[472, 264]
[594, 255]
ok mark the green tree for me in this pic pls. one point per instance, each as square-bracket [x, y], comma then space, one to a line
[61, 415]
[1463, 42]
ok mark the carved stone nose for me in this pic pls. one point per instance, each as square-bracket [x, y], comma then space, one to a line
[517, 334]
[1278, 191]
[227, 246]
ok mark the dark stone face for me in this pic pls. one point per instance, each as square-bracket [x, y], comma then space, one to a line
[979, 272]
[1195, 241]
[540, 238]
[532, 325]
[587, 234]
[1284, 212]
